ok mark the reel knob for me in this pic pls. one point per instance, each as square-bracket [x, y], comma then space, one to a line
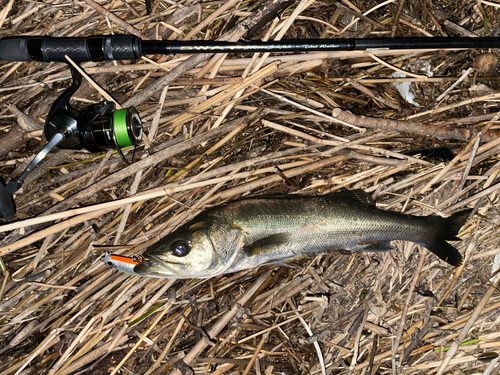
[63, 122]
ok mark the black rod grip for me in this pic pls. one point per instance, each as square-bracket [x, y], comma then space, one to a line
[124, 47]
[14, 49]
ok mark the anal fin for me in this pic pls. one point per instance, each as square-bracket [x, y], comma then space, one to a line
[279, 262]
[379, 246]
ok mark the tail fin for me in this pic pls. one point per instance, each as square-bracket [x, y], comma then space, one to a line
[447, 230]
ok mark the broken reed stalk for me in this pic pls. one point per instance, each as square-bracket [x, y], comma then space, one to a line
[367, 293]
[221, 323]
[405, 126]
[404, 312]
[463, 333]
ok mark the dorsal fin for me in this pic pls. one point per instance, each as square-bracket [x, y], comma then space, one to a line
[357, 195]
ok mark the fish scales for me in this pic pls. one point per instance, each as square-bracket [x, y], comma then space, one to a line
[316, 224]
[269, 230]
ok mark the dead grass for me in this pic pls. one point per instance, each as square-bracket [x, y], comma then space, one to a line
[218, 126]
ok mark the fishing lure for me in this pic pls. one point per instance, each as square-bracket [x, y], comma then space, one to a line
[125, 264]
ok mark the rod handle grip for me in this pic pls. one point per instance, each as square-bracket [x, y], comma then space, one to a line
[14, 49]
[123, 47]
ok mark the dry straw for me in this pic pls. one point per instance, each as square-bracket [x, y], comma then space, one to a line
[222, 127]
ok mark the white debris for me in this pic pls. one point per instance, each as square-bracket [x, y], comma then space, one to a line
[404, 88]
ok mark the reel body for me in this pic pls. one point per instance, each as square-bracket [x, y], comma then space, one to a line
[98, 127]
[102, 128]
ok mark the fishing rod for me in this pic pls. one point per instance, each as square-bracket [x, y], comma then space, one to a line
[102, 127]
[126, 47]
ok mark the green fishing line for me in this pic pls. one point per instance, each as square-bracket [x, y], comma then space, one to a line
[120, 127]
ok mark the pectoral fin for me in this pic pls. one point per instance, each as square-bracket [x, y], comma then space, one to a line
[266, 244]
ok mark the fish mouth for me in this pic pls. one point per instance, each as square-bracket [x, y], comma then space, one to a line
[154, 267]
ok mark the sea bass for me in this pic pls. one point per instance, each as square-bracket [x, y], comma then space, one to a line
[270, 230]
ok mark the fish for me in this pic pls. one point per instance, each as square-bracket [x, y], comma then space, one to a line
[252, 232]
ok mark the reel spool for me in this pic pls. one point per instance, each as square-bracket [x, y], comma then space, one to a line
[99, 127]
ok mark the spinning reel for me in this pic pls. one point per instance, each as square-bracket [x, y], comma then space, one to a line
[98, 127]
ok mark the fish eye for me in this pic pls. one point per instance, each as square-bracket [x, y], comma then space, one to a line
[180, 248]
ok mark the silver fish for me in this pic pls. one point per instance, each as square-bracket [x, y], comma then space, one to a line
[269, 230]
